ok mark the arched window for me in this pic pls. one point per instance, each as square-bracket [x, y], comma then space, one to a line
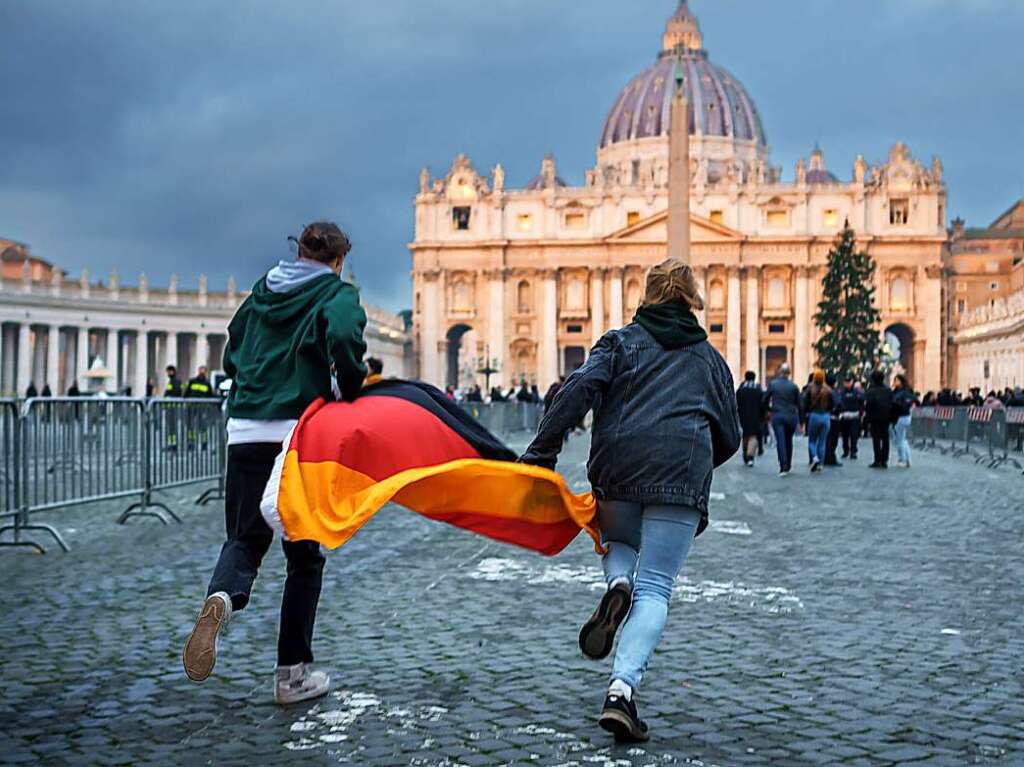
[575, 295]
[776, 293]
[524, 300]
[899, 295]
[716, 295]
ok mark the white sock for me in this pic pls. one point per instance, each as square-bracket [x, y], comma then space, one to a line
[620, 688]
[621, 580]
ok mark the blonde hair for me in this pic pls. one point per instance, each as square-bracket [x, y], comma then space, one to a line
[673, 280]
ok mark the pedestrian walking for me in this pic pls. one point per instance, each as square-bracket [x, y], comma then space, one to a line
[903, 403]
[818, 406]
[784, 405]
[750, 402]
[659, 391]
[851, 413]
[299, 322]
[832, 445]
[878, 414]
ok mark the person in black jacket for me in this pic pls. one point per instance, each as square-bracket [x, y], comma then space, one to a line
[851, 412]
[173, 387]
[750, 401]
[664, 418]
[878, 413]
[832, 444]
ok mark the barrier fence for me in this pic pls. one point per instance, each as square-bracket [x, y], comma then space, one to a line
[506, 417]
[986, 435]
[63, 451]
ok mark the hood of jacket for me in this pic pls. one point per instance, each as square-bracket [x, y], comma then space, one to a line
[290, 288]
[672, 324]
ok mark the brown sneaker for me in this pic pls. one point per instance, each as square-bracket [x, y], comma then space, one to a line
[598, 634]
[200, 653]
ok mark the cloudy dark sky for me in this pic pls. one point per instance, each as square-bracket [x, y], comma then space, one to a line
[193, 136]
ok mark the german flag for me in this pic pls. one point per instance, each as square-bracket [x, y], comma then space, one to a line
[409, 443]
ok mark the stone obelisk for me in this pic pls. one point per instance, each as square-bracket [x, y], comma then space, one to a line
[679, 172]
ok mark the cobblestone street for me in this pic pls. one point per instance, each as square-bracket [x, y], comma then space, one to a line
[853, 618]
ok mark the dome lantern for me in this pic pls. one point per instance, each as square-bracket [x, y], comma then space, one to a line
[683, 31]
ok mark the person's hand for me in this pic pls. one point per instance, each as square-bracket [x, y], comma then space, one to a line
[531, 460]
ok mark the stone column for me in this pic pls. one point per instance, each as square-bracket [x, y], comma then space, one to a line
[753, 320]
[615, 303]
[549, 331]
[801, 330]
[82, 356]
[430, 318]
[113, 360]
[141, 363]
[596, 305]
[495, 348]
[171, 349]
[732, 329]
[202, 353]
[24, 368]
[53, 360]
[932, 379]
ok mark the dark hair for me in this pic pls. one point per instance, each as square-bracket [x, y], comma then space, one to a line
[375, 366]
[323, 241]
[904, 383]
[750, 375]
[172, 368]
[878, 378]
[830, 379]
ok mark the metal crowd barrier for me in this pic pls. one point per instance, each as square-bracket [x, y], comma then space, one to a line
[986, 435]
[506, 417]
[63, 451]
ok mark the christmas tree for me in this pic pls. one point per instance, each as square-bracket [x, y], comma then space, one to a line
[847, 318]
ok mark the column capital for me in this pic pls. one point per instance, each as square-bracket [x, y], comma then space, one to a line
[548, 272]
[616, 272]
[496, 273]
[431, 275]
[597, 272]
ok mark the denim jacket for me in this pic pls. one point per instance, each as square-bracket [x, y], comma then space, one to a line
[663, 419]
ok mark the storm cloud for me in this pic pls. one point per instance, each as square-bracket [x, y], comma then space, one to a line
[193, 137]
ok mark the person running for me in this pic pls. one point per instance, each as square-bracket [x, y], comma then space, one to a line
[299, 322]
[784, 406]
[818, 405]
[903, 403]
[878, 414]
[851, 412]
[664, 418]
[750, 403]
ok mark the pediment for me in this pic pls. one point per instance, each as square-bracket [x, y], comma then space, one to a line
[655, 229]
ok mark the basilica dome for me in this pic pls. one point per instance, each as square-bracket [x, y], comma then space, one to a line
[719, 104]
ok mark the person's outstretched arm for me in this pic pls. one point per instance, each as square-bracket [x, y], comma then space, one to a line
[346, 321]
[572, 402]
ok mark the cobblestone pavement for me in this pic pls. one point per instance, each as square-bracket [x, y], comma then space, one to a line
[854, 618]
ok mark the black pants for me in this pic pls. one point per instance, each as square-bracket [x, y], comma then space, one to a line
[880, 442]
[249, 538]
[850, 429]
[832, 443]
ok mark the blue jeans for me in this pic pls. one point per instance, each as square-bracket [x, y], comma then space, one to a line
[818, 425]
[902, 428]
[648, 545]
[784, 427]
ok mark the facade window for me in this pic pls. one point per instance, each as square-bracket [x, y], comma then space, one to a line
[575, 221]
[717, 327]
[776, 328]
[632, 218]
[993, 286]
[461, 298]
[574, 329]
[635, 173]
[460, 217]
[716, 295]
[942, 215]
[961, 306]
[899, 295]
[575, 295]
[523, 301]
[524, 222]
[776, 298]
[961, 287]
[830, 217]
[899, 211]
[778, 219]
[717, 217]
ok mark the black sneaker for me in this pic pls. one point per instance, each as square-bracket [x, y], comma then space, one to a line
[621, 719]
[598, 633]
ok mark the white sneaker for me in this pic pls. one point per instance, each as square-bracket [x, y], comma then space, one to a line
[200, 654]
[298, 683]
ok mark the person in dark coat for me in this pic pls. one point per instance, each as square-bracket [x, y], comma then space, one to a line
[878, 414]
[31, 391]
[750, 401]
[832, 443]
[552, 391]
[664, 418]
[851, 413]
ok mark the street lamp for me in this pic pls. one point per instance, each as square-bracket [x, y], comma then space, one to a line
[488, 368]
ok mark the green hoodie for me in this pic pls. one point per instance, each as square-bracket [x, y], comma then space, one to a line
[672, 324]
[282, 346]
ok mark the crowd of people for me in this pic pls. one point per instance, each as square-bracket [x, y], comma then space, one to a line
[996, 400]
[831, 413]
